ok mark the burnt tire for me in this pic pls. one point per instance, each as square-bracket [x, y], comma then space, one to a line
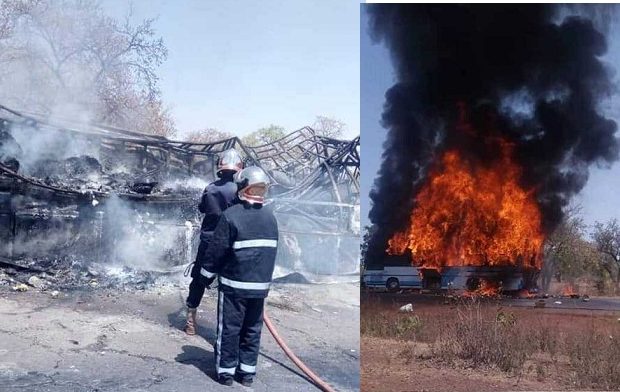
[472, 284]
[392, 284]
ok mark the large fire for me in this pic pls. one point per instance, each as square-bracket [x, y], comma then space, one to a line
[469, 213]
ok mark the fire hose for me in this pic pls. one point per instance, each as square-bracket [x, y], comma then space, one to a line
[289, 353]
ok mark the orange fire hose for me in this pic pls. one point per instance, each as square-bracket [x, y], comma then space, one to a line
[315, 379]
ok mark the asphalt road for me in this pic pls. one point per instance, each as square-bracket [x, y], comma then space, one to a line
[107, 340]
[596, 304]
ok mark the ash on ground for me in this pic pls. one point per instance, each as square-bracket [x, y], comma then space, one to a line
[66, 274]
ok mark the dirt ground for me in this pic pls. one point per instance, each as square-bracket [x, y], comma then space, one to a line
[391, 363]
[111, 340]
[386, 366]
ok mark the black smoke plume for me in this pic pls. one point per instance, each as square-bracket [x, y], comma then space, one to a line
[537, 77]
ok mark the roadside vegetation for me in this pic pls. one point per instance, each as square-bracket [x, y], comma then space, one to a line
[574, 350]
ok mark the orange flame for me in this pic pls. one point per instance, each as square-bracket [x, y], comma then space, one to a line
[568, 290]
[486, 289]
[470, 213]
[524, 293]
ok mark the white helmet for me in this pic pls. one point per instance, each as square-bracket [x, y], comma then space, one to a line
[253, 184]
[229, 160]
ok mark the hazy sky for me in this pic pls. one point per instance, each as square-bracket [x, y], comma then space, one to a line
[241, 65]
[600, 198]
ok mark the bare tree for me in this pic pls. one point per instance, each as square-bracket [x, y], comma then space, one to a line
[208, 135]
[329, 126]
[69, 58]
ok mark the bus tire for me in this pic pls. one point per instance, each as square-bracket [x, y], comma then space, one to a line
[392, 284]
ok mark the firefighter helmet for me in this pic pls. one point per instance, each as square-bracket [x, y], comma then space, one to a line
[229, 160]
[253, 184]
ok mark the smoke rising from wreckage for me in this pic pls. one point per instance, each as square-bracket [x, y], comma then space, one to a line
[80, 200]
[529, 76]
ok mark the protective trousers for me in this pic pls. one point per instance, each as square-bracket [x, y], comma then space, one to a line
[196, 292]
[197, 286]
[239, 323]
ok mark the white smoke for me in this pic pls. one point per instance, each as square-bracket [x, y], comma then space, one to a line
[142, 241]
[192, 183]
[38, 145]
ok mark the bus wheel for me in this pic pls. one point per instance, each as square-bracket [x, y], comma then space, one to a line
[392, 284]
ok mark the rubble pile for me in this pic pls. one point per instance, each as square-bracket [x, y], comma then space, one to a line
[82, 173]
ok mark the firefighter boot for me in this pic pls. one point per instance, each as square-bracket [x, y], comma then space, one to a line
[246, 379]
[225, 379]
[190, 325]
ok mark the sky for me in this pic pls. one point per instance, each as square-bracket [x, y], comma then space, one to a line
[599, 200]
[241, 65]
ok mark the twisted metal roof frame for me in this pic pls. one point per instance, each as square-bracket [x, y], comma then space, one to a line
[295, 162]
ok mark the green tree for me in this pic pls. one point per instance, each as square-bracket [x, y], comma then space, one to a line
[264, 135]
[607, 239]
[566, 251]
[368, 232]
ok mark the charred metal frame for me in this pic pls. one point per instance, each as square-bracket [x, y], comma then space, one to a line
[303, 155]
[314, 178]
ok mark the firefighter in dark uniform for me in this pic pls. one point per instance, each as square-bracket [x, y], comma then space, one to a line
[216, 198]
[242, 253]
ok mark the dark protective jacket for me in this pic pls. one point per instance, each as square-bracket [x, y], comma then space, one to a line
[216, 198]
[243, 251]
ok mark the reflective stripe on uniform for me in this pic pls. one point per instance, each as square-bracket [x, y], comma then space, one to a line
[255, 244]
[206, 273]
[220, 325]
[245, 285]
[221, 370]
[247, 368]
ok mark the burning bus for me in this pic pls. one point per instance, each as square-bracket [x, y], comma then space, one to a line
[395, 275]
[473, 226]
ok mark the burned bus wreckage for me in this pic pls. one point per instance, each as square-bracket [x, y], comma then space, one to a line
[80, 200]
